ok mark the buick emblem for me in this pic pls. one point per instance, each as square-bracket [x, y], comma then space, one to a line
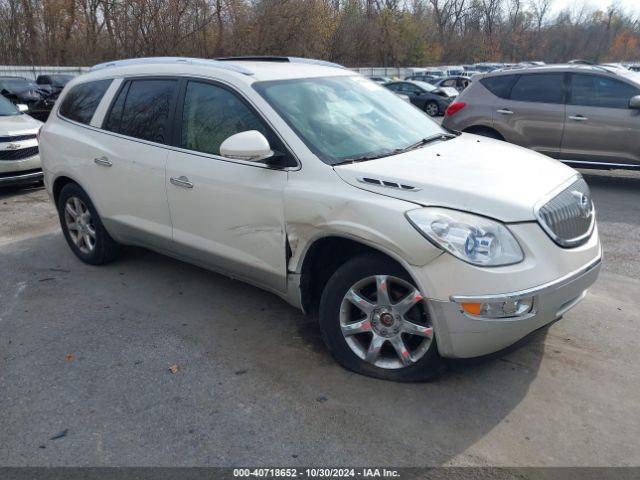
[12, 146]
[584, 203]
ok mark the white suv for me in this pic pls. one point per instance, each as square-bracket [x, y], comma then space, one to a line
[303, 178]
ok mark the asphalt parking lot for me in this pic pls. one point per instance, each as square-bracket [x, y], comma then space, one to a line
[85, 355]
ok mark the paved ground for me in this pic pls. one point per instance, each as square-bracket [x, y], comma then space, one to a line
[85, 352]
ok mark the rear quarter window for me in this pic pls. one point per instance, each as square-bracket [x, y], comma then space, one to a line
[143, 109]
[499, 86]
[82, 100]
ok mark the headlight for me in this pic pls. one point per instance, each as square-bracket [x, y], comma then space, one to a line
[474, 239]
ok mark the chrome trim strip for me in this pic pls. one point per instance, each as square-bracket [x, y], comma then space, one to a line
[172, 61]
[530, 292]
[604, 164]
[21, 178]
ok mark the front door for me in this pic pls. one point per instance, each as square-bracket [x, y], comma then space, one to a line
[600, 126]
[227, 214]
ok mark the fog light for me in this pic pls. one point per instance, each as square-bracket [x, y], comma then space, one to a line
[509, 308]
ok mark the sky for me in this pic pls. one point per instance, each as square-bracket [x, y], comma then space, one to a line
[629, 5]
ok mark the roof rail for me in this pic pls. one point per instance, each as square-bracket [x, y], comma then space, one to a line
[273, 58]
[160, 60]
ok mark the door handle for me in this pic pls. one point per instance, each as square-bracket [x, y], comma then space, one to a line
[181, 181]
[102, 161]
[578, 118]
[505, 111]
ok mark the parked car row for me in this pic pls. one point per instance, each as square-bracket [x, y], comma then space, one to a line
[38, 97]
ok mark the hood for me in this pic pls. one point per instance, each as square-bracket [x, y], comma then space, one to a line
[18, 125]
[470, 173]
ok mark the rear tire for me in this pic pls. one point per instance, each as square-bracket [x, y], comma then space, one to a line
[82, 228]
[385, 325]
[432, 109]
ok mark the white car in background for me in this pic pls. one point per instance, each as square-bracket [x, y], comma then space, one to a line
[410, 242]
[19, 157]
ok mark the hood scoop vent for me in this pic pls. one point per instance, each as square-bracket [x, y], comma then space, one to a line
[388, 184]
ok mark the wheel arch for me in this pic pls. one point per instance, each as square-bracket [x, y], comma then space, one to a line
[325, 255]
[59, 183]
[484, 130]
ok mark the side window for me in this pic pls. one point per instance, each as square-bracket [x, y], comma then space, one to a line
[211, 114]
[394, 87]
[539, 88]
[143, 110]
[82, 101]
[499, 86]
[597, 91]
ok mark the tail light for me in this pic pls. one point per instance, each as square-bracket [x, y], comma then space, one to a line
[454, 108]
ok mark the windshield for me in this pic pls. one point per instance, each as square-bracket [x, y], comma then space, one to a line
[7, 108]
[342, 118]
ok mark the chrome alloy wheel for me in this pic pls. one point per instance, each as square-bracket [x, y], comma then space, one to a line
[77, 217]
[384, 321]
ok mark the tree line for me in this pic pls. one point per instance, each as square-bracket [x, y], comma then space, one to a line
[350, 32]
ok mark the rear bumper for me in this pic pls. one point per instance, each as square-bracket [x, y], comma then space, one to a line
[461, 335]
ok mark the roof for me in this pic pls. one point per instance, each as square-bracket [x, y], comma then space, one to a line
[249, 69]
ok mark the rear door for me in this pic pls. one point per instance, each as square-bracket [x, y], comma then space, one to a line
[600, 126]
[129, 171]
[534, 113]
[226, 213]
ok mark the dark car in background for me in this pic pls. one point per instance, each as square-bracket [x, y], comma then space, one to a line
[584, 115]
[55, 82]
[433, 100]
[39, 99]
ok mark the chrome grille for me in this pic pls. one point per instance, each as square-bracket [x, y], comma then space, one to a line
[17, 138]
[18, 154]
[569, 217]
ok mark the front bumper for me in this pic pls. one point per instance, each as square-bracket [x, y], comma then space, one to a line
[461, 335]
[16, 172]
[21, 178]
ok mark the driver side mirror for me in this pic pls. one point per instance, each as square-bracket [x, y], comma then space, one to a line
[634, 103]
[249, 145]
[22, 107]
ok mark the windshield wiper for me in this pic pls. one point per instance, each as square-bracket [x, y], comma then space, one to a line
[364, 158]
[425, 141]
[421, 143]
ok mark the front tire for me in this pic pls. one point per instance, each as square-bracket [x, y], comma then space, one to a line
[375, 322]
[83, 229]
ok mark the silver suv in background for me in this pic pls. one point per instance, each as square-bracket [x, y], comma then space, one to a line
[584, 115]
